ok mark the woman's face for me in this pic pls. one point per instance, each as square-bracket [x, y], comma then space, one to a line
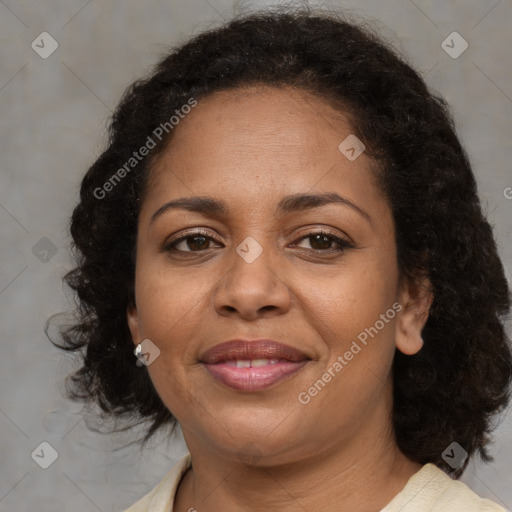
[260, 270]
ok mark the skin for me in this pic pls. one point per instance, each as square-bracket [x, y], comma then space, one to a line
[265, 451]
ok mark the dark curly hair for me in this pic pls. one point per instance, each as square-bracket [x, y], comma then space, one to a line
[455, 385]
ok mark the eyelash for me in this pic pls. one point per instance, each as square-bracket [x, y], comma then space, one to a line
[342, 244]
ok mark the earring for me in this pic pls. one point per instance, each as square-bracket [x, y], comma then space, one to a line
[146, 352]
[138, 355]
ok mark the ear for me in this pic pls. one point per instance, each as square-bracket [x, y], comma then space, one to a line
[133, 323]
[415, 299]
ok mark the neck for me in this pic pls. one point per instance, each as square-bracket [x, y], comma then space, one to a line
[363, 474]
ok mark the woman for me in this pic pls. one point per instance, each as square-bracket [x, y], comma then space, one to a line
[286, 232]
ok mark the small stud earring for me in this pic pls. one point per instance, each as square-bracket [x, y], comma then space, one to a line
[138, 355]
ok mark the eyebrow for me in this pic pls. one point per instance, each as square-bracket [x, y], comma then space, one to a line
[209, 206]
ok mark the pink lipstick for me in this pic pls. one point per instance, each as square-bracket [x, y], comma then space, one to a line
[252, 365]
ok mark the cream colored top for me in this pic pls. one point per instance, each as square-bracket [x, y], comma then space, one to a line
[428, 490]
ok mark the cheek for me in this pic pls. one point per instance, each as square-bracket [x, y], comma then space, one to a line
[347, 315]
[358, 345]
[168, 305]
[351, 298]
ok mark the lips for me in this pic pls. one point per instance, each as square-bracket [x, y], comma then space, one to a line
[254, 365]
[245, 350]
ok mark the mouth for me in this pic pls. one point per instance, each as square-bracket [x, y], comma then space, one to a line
[254, 365]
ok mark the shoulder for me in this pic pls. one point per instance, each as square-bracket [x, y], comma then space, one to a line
[432, 489]
[161, 497]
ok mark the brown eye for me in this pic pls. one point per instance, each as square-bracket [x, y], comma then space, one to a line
[196, 243]
[323, 242]
[193, 242]
[320, 241]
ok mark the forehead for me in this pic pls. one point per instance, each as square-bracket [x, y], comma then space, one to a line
[280, 126]
[256, 143]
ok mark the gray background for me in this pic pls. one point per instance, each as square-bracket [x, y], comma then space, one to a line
[53, 120]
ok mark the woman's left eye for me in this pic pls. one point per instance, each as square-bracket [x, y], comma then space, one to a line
[324, 242]
[200, 241]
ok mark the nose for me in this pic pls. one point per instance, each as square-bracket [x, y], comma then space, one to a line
[252, 287]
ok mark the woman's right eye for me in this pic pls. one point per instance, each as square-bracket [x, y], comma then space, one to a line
[194, 242]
